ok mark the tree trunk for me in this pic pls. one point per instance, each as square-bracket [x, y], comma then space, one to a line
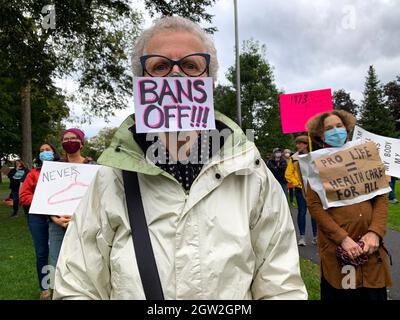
[26, 126]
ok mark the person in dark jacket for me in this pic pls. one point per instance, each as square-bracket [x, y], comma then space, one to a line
[277, 164]
[16, 176]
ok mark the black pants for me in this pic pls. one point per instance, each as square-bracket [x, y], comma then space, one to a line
[361, 294]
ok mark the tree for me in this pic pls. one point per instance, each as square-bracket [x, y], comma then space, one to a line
[96, 145]
[343, 101]
[259, 101]
[194, 10]
[48, 110]
[84, 38]
[225, 100]
[375, 116]
[87, 39]
[392, 93]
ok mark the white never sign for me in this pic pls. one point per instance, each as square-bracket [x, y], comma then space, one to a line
[61, 186]
[389, 149]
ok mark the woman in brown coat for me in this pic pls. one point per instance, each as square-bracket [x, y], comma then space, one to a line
[357, 228]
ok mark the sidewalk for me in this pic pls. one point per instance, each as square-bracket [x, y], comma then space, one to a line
[392, 241]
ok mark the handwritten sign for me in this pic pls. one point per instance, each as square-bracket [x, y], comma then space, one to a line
[61, 186]
[298, 108]
[389, 149]
[173, 104]
[347, 175]
[352, 172]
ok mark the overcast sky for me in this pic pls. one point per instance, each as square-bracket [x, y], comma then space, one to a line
[310, 44]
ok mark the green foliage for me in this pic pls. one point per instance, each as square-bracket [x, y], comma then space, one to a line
[343, 101]
[375, 116]
[194, 10]
[9, 135]
[48, 110]
[392, 93]
[96, 145]
[89, 40]
[225, 101]
[259, 99]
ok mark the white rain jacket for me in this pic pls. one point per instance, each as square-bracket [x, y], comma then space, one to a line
[230, 237]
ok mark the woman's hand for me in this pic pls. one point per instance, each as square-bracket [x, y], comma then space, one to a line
[61, 220]
[371, 242]
[351, 247]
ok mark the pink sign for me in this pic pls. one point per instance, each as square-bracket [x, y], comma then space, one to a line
[297, 108]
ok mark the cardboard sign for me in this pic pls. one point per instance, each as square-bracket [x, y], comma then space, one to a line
[298, 108]
[344, 176]
[352, 172]
[173, 104]
[389, 149]
[61, 186]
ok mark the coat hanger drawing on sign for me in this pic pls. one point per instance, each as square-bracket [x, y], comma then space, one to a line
[63, 191]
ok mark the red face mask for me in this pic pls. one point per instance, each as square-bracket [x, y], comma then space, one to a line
[71, 147]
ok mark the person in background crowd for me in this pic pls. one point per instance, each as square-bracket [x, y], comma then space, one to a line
[293, 176]
[392, 194]
[16, 176]
[73, 141]
[287, 153]
[220, 228]
[277, 164]
[356, 229]
[39, 223]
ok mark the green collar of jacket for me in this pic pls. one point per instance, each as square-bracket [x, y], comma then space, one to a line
[125, 154]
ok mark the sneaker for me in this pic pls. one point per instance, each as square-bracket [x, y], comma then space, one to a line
[302, 241]
[393, 200]
[314, 240]
[45, 295]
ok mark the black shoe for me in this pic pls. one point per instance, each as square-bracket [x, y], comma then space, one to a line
[14, 215]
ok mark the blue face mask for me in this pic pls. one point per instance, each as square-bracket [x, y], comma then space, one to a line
[46, 156]
[336, 137]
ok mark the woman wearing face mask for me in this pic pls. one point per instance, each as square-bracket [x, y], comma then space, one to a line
[358, 228]
[39, 223]
[16, 176]
[72, 143]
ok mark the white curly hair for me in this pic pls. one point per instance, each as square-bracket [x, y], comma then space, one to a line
[173, 23]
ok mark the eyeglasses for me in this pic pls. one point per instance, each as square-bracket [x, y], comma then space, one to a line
[193, 65]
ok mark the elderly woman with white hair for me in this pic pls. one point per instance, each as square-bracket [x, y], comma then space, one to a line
[219, 229]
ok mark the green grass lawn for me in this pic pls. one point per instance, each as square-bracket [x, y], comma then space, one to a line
[394, 211]
[18, 279]
[310, 275]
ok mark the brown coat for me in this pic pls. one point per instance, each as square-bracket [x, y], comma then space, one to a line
[335, 224]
